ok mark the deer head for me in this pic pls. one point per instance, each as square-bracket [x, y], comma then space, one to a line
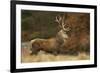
[63, 32]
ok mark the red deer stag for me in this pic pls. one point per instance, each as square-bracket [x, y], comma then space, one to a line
[51, 45]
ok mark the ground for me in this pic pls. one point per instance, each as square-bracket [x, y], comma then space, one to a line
[47, 57]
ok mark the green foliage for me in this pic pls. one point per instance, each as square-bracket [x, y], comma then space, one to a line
[38, 24]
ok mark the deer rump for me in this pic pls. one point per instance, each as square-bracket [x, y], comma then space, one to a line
[48, 45]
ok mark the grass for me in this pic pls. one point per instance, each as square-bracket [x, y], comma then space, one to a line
[47, 57]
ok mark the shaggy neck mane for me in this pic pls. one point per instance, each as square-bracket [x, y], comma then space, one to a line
[61, 36]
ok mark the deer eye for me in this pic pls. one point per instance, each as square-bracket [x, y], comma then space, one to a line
[66, 26]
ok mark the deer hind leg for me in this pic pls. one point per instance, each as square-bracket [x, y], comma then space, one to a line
[35, 49]
[34, 52]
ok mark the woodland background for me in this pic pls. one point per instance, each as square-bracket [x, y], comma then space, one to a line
[42, 24]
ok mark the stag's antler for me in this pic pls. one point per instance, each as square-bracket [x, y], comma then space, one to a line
[58, 20]
[61, 22]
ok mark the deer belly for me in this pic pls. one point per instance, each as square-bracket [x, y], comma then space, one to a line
[48, 45]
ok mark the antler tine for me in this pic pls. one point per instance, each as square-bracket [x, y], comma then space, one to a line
[63, 21]
[58, 19]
